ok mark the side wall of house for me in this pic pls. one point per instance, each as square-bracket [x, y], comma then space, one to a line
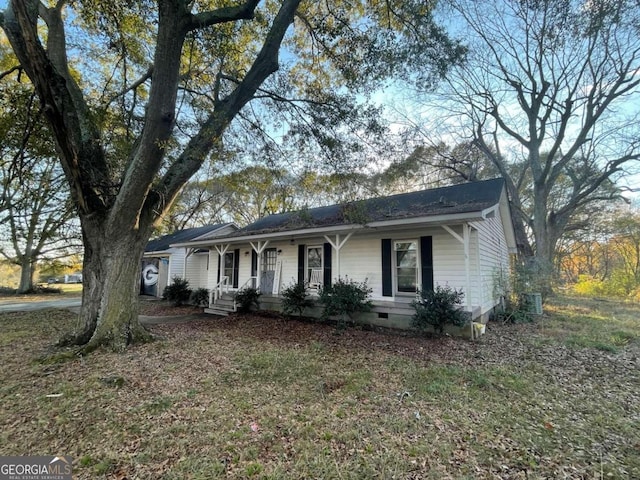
[493, 260]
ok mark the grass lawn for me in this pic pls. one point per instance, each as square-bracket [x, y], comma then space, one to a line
[262, 397]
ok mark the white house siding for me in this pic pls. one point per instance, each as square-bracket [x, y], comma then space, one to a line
[448, 259]
[196, 271]
[494, 258]
[176, 263]
[360, 260]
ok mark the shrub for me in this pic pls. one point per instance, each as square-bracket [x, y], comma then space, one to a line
[295, 298]
[178, 292]
[588, 286]
[437, 308]
[344, 298]
[247, 298]
[200, 297]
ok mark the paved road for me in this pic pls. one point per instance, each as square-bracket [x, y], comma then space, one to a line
[40, 305]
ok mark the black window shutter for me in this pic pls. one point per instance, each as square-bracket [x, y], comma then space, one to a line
[236, 265]
[387, 283]
[426, 259]
[220, 259]
[301, 252]
[326, 275]
[254, 263]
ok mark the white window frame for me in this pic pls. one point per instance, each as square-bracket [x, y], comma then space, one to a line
[307, 269]
[232, 255]
[396, 289]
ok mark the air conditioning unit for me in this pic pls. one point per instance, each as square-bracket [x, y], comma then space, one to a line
[533, 302]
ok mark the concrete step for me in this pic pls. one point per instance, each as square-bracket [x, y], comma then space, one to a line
[217, 311]
[224, 303]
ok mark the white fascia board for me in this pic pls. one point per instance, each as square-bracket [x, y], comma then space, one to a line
[159, 253]
[384, 224]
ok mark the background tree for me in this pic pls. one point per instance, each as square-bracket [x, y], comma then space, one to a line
[437, 165]
[36, 215]
[607, 260]
[200, 202]
[152, 87]
[551, 88]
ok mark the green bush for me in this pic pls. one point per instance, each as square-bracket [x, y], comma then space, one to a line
[178, 292]
[618, 284]
[344, 298]
[247, 298]
[200, 297]
[295, 298]
[437, 308]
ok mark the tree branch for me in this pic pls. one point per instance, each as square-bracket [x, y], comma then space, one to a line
[133, 86]
[225, 110]
[11, 70]
[245, 11]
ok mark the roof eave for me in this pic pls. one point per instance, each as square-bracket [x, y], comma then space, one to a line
[157, 253]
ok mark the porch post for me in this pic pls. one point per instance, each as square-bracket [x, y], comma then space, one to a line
[259, 248]
[187, 253]
[466, 228]
[337, 246]
[184, 264]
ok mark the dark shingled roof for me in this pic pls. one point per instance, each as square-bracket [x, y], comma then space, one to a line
[463, 198]
[162, 243]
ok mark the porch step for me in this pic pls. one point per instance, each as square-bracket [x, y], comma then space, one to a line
[223, 306]
[226, 304]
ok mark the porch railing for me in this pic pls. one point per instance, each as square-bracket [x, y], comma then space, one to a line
[251, 282]
[217, 291]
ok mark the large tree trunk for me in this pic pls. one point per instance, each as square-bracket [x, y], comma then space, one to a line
[541, 271]
[26, 274]
[111, 277]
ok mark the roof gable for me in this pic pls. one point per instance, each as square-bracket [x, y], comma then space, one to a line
[163, 243]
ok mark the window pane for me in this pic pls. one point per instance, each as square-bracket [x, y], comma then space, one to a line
[406, 266]
[314, 257]
[314, 266]
[228, 266]
[269, 259]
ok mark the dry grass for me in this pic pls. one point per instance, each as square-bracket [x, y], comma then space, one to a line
[254, 397]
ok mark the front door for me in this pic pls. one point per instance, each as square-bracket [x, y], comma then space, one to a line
[269, 260]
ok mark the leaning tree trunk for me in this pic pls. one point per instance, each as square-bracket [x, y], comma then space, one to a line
[111, 278]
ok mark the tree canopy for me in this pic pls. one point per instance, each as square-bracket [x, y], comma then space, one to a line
[139, 94]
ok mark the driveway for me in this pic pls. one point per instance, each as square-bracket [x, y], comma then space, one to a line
[73, 304]
[12, 306]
